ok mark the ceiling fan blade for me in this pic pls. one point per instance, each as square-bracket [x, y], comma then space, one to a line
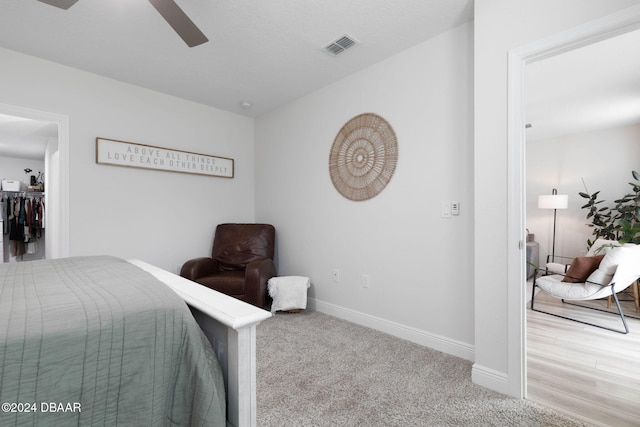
[62, 4]
[180, 22]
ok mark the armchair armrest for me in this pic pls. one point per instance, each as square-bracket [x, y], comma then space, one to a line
[556, 268]
[559, 267]
[566, 259]
[198, 267]
[257, 273]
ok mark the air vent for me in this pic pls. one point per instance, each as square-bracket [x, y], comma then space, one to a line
[343, 43]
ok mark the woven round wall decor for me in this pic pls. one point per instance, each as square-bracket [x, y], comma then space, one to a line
[363, 157]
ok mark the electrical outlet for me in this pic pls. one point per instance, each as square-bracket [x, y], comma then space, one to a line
[336, 275]
[366, 280]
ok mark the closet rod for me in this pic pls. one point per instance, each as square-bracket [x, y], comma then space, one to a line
[22, 193]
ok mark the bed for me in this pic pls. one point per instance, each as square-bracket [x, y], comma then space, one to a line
[101, 340]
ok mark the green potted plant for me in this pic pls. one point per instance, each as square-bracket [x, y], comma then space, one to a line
[621, 223]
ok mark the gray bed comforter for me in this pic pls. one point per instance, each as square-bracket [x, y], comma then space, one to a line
[98, 341]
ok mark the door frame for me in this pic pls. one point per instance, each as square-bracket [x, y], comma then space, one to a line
[604, 28]
[58, 211]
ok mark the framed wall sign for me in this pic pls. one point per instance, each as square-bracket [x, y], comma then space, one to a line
[121, 153]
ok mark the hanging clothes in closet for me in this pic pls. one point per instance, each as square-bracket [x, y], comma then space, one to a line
[24, 223]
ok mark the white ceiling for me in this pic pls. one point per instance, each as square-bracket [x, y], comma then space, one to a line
[25, 138]
[590, 88]
[266, 52]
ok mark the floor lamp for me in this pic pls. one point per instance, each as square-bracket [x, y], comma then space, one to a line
[553, 201]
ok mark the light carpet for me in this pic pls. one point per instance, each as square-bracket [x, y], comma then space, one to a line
[317, 370]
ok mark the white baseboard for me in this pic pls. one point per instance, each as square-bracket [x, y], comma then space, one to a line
[491, 379]
[436, 342]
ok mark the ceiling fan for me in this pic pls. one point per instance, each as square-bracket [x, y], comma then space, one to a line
[171, 13]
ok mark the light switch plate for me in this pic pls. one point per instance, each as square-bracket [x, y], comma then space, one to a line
[445, 210]
[455, 208]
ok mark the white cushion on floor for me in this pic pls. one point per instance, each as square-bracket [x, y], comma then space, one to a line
[288, 292]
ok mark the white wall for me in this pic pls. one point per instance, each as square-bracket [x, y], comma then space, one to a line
[604, 159]
[12, 168]
[420, 264]
[501, 25]
[163, 218]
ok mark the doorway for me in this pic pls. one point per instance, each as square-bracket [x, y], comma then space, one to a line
[55, 172]
[605, 28]
[583, 130]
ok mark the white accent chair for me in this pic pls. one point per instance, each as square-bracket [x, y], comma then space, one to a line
[618, 269]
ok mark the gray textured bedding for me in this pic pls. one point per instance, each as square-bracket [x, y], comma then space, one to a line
[98, 341]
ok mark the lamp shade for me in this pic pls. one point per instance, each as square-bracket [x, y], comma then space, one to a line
[553, 201]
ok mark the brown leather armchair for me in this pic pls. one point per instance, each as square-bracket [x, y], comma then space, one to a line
[241, 262]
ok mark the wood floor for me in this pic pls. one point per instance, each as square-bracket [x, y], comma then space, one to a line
[588, 373]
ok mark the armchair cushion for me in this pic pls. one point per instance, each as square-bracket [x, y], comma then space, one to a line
[581, 267]
[228, 282]
[237, 245]
[602, 247]
[600, 277]
[611, 260]
[573, 291]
